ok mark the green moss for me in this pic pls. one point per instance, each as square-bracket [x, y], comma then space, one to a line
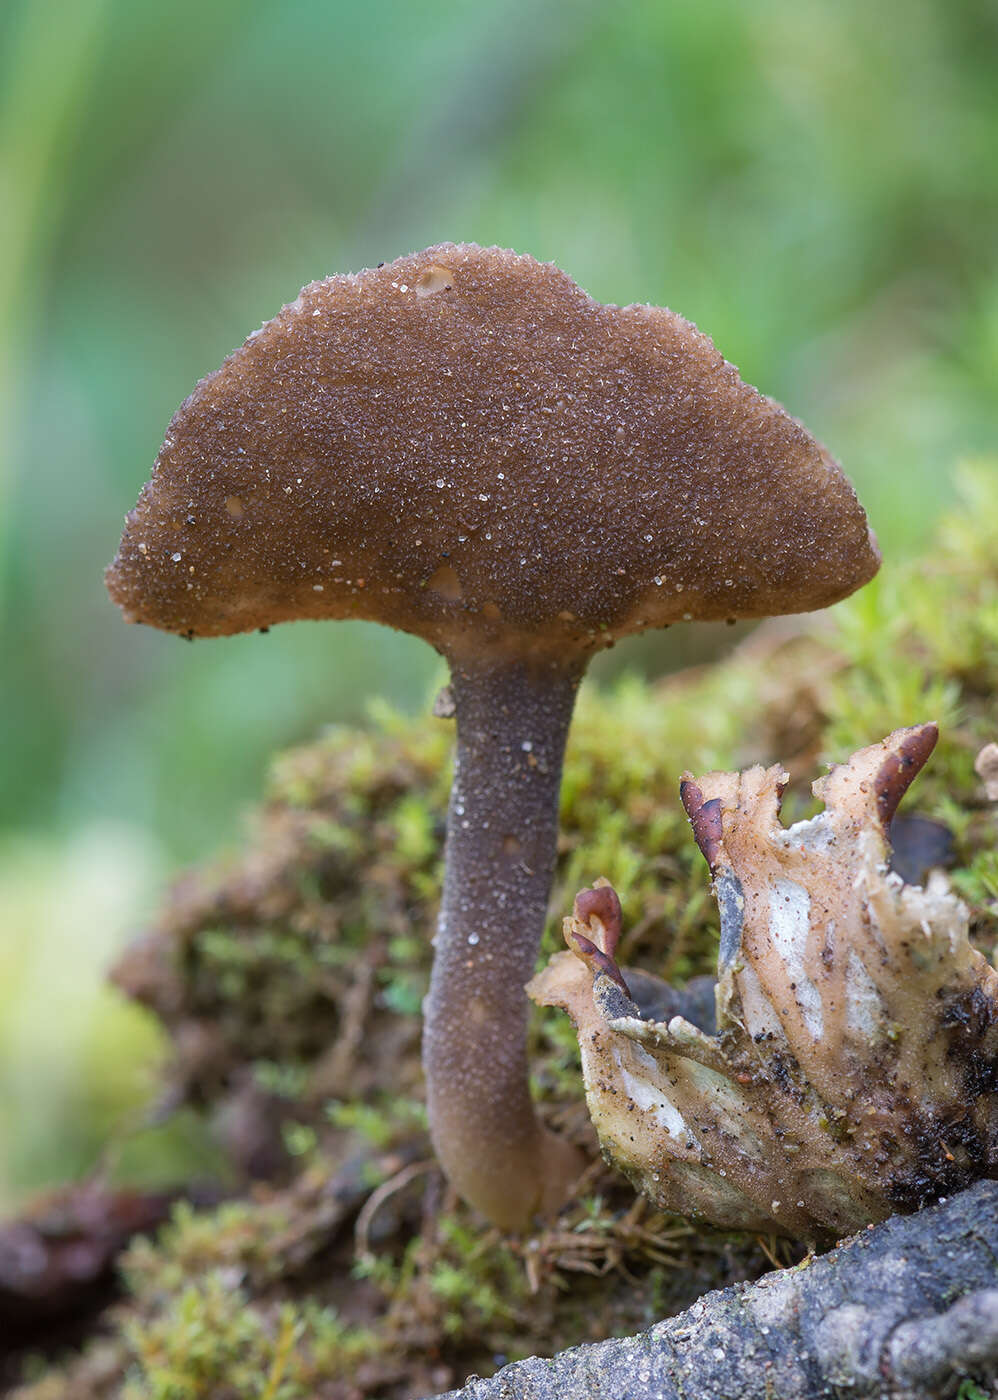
[467, 1282]
[473, 1296]
[381, 1123]
[970, 1390]
[238, 1236]
[210, 1343]
[978, 882]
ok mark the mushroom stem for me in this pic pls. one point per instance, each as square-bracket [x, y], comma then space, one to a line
[502, 830]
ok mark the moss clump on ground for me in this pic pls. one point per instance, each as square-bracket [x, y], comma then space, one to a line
[290, 982]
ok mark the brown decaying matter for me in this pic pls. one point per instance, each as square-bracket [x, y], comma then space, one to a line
[493, 445]
[855, 1068]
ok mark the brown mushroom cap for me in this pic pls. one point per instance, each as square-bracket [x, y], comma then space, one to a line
[463, 439]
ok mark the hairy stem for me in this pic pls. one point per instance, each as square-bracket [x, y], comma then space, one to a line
[502, 830]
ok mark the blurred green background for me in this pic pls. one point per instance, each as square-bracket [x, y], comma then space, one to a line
[814, 184]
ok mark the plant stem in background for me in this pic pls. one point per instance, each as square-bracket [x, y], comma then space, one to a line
[50, 62]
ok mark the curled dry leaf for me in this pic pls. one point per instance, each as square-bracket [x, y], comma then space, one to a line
[854, 1069]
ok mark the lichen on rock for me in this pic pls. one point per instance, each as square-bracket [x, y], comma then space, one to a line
[854, 1069]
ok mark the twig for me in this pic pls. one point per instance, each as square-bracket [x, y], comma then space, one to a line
[377, 1199]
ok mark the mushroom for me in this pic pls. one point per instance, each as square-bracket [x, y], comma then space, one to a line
[853, 1071]
[464, 445]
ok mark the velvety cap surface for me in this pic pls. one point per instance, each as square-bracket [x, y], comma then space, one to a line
[464, 438]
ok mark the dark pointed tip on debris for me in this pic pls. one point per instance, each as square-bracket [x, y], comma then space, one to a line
[597, 961]
[900, 769]
[601, 903]
[705, 819]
